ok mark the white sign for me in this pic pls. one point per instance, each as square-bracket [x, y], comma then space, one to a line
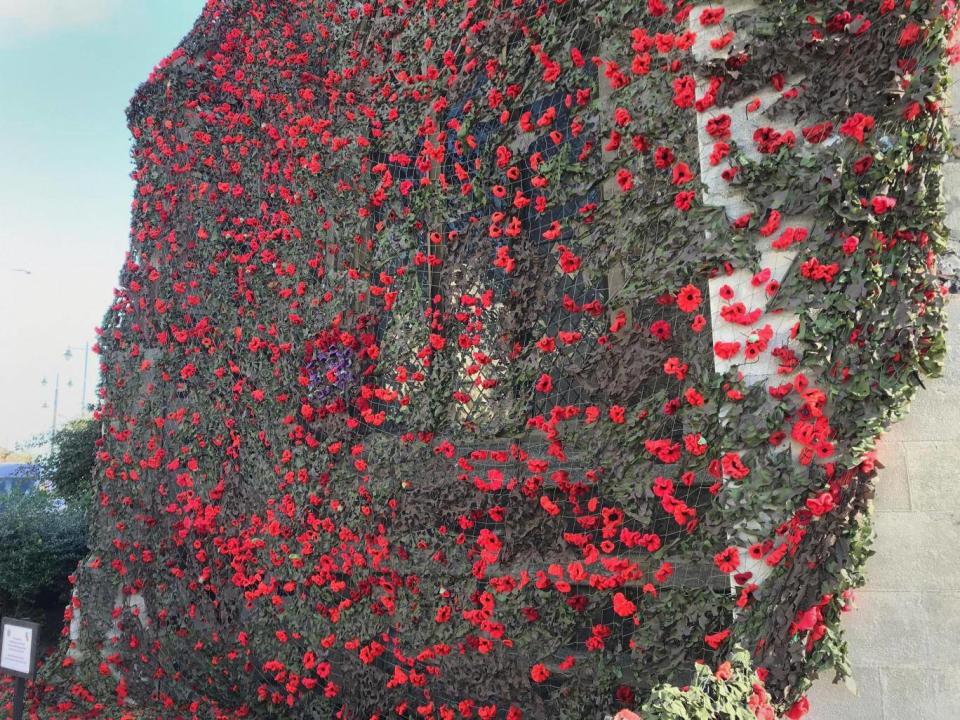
[16, 650]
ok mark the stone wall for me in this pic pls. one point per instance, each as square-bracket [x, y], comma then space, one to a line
[904, 634]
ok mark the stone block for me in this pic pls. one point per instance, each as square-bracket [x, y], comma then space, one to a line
[893, 490]
[915, 551]
[887, 628]
[920, 693]
[934, 414]
[951, 184]
[830, 701]
[933, 473]
[941, 615]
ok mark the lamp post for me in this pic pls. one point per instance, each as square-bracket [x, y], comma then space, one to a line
[68, 353]
[56, 403]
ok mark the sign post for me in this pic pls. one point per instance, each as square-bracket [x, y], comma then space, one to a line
[18, 656]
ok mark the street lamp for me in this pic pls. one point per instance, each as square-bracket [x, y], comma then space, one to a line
[56, 402]
[68, 353]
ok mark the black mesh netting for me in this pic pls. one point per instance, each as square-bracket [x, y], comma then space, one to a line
[413, 394]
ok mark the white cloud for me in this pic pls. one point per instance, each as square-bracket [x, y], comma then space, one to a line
[33, 17]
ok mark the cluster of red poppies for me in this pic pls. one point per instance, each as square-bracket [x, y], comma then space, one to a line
[411, 399]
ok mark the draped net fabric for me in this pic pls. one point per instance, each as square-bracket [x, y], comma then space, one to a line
[412, 400]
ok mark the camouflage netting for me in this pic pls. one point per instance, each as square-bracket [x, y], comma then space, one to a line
[506, 358]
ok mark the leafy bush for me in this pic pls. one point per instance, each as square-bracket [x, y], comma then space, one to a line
[69, 467]
[43, 539]
[731, 692]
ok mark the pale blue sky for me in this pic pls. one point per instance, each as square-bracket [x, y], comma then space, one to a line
[67, 70]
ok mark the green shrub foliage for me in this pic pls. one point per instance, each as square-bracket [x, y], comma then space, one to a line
[42, 541]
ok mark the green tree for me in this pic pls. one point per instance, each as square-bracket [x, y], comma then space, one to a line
[69, 466]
